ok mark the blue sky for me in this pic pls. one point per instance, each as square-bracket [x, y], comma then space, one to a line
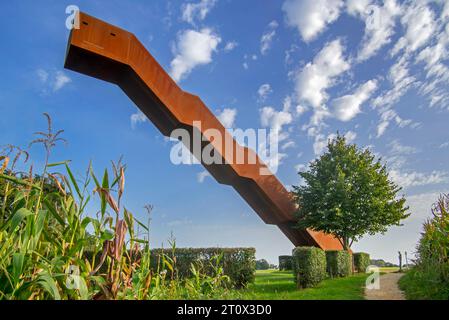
[376, 71]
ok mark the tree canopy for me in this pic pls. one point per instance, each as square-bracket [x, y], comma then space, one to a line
[347, 192]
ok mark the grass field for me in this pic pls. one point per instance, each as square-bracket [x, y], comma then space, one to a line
[279, 285]
[388, 269]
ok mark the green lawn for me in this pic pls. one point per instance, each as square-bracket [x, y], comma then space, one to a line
[279, 285]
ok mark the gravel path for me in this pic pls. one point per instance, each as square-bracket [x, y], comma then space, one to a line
[389, 289]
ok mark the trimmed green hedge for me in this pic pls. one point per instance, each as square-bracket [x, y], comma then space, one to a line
[339, 263]
[285, 263]
[361, 261]
[309, 266]
[239, 264]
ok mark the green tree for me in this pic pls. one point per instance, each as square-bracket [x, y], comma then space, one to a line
[348, 193]
[262, 264]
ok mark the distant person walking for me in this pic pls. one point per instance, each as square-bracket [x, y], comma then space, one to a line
[400, 260]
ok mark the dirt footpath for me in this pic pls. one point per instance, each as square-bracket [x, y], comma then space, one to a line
[389, 289]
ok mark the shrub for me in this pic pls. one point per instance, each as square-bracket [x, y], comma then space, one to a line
[309, 266]
[285, 263]
[339, 263]
[361, 261]
[239, 264]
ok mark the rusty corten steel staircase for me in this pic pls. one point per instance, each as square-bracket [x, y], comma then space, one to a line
[109, 53]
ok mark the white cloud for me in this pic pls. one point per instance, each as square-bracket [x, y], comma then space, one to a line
[397, 159]
[358, 7]
[347, 107]
[311, 17]
[433, 57]
[350, 136]
[420, 26]
[379, 24]
[401, 82]
[269, 117]
[414, 179]
[202, 176]
[445, 12]
[53, 81]
[317, 76]
[231, 45]
[275, 120]
[137, 117]
[267, 37]
[194, 48]
[300, 109]
[192, 11]
[264, 91]
[444, 145]
[396, 148]
[387, 116]
[42, 75]
[301, 167]
[288, 145]
[227, 117]
[60, 80]
[321, 141]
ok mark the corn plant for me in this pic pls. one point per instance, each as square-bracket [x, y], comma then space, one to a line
[51, 248]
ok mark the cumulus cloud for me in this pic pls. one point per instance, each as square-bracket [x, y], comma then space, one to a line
[347, 107]
[358, 7]
[319, 75]
[397, 159]
[420, 26]
[61, 80]
[398, 149]
[275, 121]
[401, 81]
[321, 141]
[264, 91]
[437, 77]
[137, 118]
[444, 145]
[42, 75]
[227, 117]
[311, 17]
[267, 37]
[231, 45]
[52, 81]
[199, 10]
[288, 145]
[193, 48]
[301, 167]
[414, 178]
[380, 22]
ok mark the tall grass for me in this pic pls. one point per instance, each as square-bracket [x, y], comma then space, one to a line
[52, 248]
[429, 279]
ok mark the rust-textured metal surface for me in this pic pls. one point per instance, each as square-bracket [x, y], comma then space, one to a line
[106, 52]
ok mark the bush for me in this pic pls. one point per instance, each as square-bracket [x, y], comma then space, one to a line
[239, 264]
[361, 261]
[309, 266]
[285, 263]
[339, 263]
[262, 264]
